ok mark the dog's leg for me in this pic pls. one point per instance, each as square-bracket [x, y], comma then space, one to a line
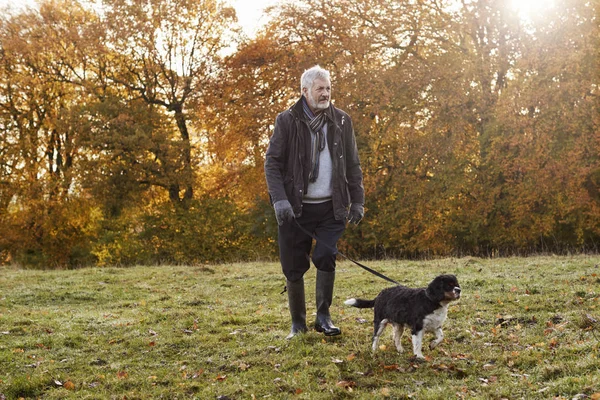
[417, 343]
[439, 336]
[398, 330]
[378, 331]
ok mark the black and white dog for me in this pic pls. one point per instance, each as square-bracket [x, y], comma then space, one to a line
[421, 310]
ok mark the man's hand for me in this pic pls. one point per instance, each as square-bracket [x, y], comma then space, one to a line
[356, 214]
[283, 211]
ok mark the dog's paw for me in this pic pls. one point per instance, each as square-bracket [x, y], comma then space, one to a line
[418, 358]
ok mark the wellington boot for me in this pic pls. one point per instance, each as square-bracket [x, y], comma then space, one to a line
[324, 295]
[297, 306]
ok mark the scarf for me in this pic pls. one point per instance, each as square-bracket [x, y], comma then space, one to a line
[315, 123]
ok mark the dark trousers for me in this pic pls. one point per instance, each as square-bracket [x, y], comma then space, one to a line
[295, 245]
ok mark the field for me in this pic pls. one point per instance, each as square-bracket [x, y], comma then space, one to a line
[525, 328]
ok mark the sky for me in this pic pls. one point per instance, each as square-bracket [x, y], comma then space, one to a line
[249, 12]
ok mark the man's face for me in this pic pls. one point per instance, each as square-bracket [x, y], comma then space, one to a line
[318, 95]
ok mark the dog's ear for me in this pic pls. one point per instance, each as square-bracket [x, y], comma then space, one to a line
[435, 290]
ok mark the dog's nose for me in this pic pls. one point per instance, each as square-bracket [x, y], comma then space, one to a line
[457, 290]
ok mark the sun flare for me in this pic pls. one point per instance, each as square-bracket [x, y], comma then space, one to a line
[531, 7]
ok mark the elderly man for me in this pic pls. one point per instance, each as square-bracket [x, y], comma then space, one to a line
[315, 181]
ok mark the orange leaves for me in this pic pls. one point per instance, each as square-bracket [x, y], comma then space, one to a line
[69, 385]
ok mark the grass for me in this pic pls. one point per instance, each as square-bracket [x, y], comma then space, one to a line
[525, 328]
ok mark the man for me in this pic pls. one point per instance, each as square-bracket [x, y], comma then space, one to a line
[315, 180]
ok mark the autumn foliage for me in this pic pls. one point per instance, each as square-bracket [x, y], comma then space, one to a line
[135, 132]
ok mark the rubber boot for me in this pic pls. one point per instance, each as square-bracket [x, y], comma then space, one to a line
[297, 307]
[324, 297]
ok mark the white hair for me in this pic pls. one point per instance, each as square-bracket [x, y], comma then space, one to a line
[312, 74]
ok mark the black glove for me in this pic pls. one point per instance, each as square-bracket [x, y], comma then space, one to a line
[283, 211]
[357, 212]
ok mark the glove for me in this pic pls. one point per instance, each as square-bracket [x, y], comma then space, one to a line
[357, 212]
[283, 211]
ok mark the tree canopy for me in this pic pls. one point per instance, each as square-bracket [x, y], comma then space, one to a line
[135, 131]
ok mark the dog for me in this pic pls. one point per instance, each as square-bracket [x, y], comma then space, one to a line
[422, 310]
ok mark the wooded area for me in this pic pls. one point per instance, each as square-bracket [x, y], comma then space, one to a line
[134, 131]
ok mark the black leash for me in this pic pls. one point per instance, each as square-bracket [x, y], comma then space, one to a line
[379, 274]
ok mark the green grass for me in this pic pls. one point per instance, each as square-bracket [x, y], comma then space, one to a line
[524, 328]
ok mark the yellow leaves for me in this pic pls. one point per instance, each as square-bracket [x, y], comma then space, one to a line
[69, 385]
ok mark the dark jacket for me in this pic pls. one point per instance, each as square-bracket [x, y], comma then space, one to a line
[287, 162]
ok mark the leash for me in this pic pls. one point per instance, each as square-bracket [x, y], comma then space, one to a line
[379, 274]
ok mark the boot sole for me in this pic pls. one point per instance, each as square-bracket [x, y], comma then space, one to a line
[321, 330]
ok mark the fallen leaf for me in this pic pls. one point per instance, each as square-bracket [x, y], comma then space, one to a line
[385, 392]
[298, 391]
[197, 373]
[351, 357]
[346, 384]
[69, 385]
[440, 367]
[122, 374]
[221, 378]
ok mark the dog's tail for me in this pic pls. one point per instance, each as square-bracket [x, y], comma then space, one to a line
[360, 303]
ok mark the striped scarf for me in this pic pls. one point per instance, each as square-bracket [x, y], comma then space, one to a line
[315, 123]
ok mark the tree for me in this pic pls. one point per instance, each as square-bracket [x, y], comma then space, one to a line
[167, 53]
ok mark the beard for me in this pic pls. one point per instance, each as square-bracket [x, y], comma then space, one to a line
[314, 103]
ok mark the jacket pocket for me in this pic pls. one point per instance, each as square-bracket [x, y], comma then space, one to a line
[346, 199]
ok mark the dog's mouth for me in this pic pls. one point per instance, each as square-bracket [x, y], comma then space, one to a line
[454, 294]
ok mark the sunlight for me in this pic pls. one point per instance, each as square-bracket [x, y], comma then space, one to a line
[531, 7]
